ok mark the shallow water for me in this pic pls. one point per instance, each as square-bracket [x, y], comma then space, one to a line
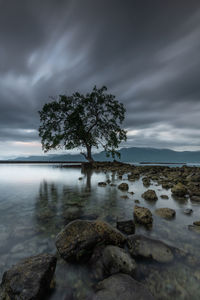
[36, 201]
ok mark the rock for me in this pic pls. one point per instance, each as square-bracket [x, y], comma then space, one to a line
[188, 211]
[194, 228]
[111, 260]
[143, 246]
[80, 178]
[146, 181]
[164, 197]
[166, 213]
[150, 195]
[123, 186]
[77, 240]
[102, 183]
[121, 286]
[197, 223]
[124, 197]
[179, 190]
[127, 227]
[166, 185]
[137, 201]
[131, 193]
[142, 215]
[195, 199]
[29, 279]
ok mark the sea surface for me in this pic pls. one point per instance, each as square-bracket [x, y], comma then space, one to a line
[36, 201]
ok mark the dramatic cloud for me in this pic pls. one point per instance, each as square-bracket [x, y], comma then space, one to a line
[146, 52]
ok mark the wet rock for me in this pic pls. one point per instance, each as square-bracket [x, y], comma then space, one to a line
[166, 213]
[124, 197]
[127, 227]
[131, 193]
[123, 186]
[164, 197]
[179, 190]
[111, 260]
[102, 184]
[188, 211]
[142, 215]
[80, 178]
[146, 181]
[121, 286]
[166, 185]
[150, 195]
[143, 246]
[195, 199]
[197, 223]
[194, 228]
[77, 240]
[137, 201]
[29, 279]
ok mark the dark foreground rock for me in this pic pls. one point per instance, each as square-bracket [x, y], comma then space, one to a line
[142, 215]
[142, 246]
[78, 239]
[28, 280]
[121, 286]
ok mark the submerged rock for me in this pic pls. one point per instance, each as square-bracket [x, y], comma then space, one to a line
[179, 190]
[166, 213]
[30, 279]
[195, 198]
[188, 211]
[140, 245]
[111, 260]
[127, 227]
[77, 240]
[121, 286]
[123, 186]
[142, 215]
[194, 228]
[150, 195]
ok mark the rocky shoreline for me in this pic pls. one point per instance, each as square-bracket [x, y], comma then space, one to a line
[118, 258]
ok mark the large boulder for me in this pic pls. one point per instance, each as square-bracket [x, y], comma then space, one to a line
[142, 215]
[77, 240]
[179, 190]
[142, 246]
[150, 195]
[121, 286]
[166, 213]
[28, 280]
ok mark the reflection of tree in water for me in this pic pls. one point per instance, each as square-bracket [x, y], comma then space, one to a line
[57, 205]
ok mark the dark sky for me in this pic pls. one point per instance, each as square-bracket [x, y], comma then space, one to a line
[147, 52]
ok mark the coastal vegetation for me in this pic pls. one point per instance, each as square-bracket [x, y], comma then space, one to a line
[83, 121]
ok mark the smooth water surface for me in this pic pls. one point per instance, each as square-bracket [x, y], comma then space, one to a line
[36, 201]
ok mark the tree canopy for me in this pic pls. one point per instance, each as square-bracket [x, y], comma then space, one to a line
[83, 121]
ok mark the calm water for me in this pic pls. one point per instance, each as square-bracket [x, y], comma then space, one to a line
[36, 201]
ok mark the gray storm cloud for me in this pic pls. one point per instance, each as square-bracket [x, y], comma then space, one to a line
[146, 52]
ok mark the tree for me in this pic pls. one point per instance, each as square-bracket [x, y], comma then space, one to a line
[82, 121]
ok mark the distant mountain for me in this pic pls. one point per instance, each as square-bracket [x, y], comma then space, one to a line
[127, 155]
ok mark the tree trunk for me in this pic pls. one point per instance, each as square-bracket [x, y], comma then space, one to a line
[89, 154]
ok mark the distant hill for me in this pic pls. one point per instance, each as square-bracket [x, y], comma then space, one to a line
[133, 154]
